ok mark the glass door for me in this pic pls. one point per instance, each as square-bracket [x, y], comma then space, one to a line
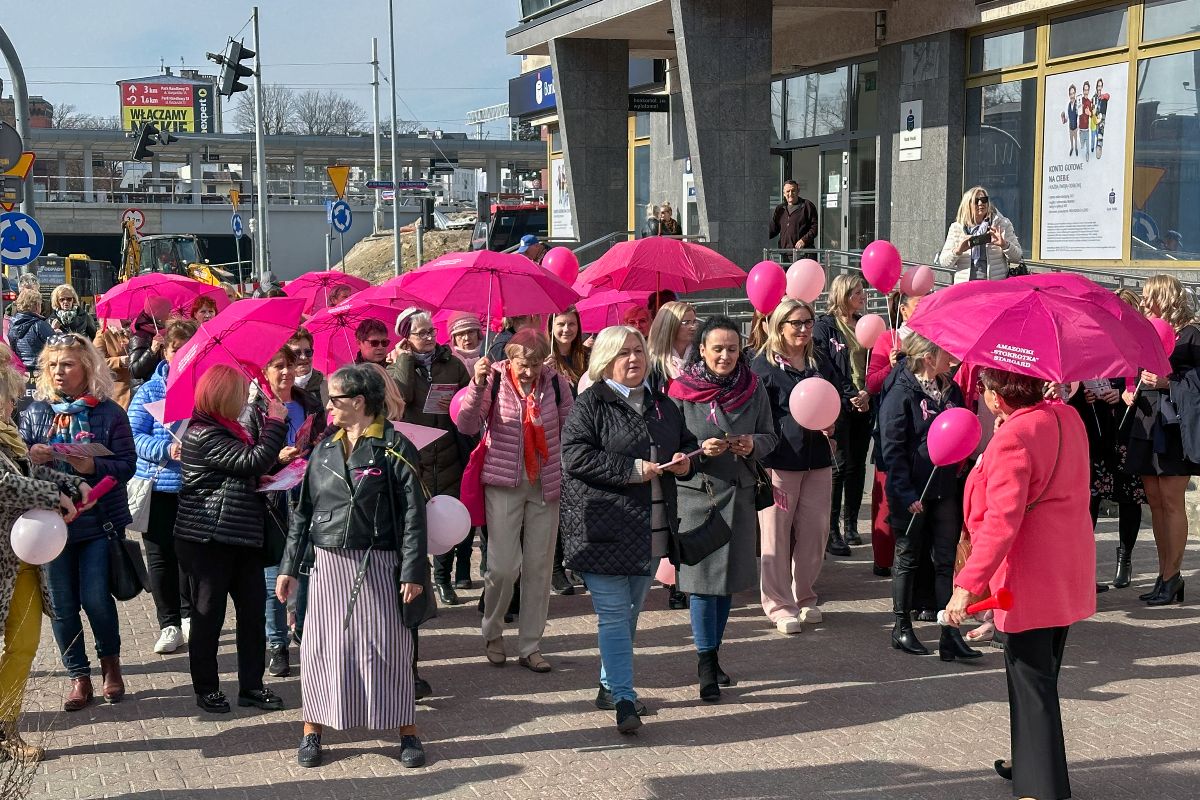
[860, 221]
[847, 194]
[832, 205]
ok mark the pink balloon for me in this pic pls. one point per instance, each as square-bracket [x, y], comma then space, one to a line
[881, 265]
[585, 381]
[815, 404]
[805, 280]
[1166, 334]
[765, 286]
[917, 282]
[456, 403]
[666, 573]
[447, 522]
[38, 536]
[562, 263]
[868, 329]
[953, 436]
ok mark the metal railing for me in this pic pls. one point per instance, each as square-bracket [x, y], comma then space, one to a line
[164, 190]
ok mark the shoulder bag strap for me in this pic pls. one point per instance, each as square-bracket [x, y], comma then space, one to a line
[1053, 470]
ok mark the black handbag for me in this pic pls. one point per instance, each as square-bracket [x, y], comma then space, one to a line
[764, 492]
[127, 576]
[696, 544]
[423, 607]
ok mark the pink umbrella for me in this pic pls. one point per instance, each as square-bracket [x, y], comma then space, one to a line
[333, 329]
[127, 300]
[659, 262]
[390, 293]
[604, 307]
[1060, 328]
[317, 287]
[244, 336]
[490, 284]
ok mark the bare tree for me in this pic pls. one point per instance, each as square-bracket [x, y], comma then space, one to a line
[320, 113]
[67, 115]
[278, 108]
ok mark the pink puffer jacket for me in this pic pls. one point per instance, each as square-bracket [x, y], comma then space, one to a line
[504, 461]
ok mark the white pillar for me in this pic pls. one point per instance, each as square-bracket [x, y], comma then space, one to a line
[493, 175]
[89, 195]
[197, 177]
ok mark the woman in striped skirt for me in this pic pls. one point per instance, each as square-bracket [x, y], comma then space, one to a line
[362, 508]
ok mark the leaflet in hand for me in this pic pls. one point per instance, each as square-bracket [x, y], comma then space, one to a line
[92, 449]
[439, 397]
[287, 478]
[679, 458]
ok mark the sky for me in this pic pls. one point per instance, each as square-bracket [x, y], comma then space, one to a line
[450, 53]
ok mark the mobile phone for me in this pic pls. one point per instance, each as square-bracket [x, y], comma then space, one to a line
[980, 240]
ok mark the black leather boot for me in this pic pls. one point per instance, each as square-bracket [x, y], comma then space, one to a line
[952, 645]
[722, 678]
[850, 525]
[1170, 592]
[706, 668]
[903, 638]
[1124, 568]
[836, 546]
[1158, 582]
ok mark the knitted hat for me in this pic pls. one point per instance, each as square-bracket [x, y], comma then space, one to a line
[463, 321]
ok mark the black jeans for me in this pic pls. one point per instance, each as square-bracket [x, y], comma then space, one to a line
[853, 435]
[162, 565]
[1032, 660]
[216, 572]
[940, 525]
[445, 570]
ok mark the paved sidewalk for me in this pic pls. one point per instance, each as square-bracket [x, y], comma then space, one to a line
[832, 713]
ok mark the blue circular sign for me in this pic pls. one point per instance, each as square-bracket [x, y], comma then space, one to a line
[340, 216]
[21, 239]
[238, 230]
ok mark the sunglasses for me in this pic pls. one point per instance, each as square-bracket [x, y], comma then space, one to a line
[343, 396]
[305, 353]
[65, 340]
[984, 199]
[377, 342]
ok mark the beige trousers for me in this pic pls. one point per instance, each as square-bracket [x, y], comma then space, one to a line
[793, 534]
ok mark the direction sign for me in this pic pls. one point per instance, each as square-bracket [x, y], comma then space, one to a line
[236, 223]
[379, 184]
[329, 212]
[338, 176]
[137, 215]
[21, 239]
[340, 216]
[412, 185]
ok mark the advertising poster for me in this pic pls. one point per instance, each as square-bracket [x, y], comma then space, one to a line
[562, 220]
[173, 107]
[1083, 164]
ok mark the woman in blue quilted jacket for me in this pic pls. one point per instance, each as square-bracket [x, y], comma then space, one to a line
[158, 463]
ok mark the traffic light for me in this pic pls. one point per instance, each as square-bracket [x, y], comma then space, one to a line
[232, 68]
[148, 135]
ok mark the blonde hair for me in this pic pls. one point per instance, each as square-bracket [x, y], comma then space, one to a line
[608, 344]
[1167, 294]
[528, 343]
[1130, 297]
[919, 352]
[651, 210]
[665, 205]
[757, 339]
[12, 385]
[663, 332]
[393, 401]
[222, 392]
[966, 207]
[61, 291]
[774, 345]
[840, 290]
[29, 300]
[99, 377]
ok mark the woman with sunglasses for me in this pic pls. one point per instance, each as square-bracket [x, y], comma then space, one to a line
[968, 251]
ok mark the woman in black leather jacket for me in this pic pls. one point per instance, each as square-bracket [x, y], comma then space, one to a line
[362, 507]
[219, 534]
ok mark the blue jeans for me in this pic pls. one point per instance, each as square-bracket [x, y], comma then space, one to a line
[79, 580]
[277, 627]
[618, 601]
[710, 613]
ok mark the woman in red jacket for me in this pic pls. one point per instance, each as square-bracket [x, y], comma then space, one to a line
[1031, 532]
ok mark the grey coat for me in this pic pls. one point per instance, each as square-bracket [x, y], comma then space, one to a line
[733, 568]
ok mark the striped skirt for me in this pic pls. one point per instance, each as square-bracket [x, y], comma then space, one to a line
[360, 676]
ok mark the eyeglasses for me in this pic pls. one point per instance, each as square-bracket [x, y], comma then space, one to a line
[802, 324]
[428, 333]
[982, 199]
[343, 396]
[981, 387]
[302, 353]
[377, 342]
[689, 323]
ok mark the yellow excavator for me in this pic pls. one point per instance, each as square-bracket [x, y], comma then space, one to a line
[172, 253]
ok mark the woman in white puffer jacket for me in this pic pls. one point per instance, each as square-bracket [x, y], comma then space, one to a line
[976, 216]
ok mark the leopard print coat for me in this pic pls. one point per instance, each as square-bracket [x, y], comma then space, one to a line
[23, 487]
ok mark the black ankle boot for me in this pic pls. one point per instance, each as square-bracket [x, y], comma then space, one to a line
[1124, 568]
[706, 668]
[903, 638]
[851, 537]
[1170, 592]
[952, 645]
[722, 678]
[836, 546]
[1158, 582]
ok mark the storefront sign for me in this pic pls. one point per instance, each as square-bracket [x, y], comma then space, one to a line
[652, 103]
[910, 127]
[169, 105]
[562, 219]
[1083, 164]
[532, 93]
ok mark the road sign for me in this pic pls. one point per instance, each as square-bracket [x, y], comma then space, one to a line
[412, 185]
[236, 222]
[12, 191]
[18, 171]
[137, 215]
[338, 176]
[21, 239]
[379, 184]
[235, 197]
[387, 194]
[340, 216]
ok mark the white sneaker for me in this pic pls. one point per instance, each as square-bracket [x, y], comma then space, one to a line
[186, 631]
[168, 641]
[788, 625]
[810, 615]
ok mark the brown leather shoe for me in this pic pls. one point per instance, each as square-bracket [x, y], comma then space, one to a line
[114, 684]
[80, 696]
[495, 651]
[535, 662]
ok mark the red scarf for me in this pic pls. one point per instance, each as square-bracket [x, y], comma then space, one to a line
[234, 427]
[532, 430]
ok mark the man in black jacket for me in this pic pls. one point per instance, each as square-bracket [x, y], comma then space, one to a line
[794, 221]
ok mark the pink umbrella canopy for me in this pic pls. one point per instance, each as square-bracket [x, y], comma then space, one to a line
[391, 293]
[332, 329]
[605, 307]
[659, 262]
[1060, 328]
[244, 336]
[127, 300]
[318, 287]
[490, 284]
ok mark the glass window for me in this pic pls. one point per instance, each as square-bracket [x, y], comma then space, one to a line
[641, 125]
[1001, 149]
[777, 110]
[1003, 49]
[641, 184]
[1093, 30]
[1166, 159]
[817, 103]
[866, 96]
[555, 140]
[1163, 18]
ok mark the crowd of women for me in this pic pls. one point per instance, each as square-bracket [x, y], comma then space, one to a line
[599, 458]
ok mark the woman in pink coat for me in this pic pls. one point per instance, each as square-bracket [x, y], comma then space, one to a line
[1026, 507]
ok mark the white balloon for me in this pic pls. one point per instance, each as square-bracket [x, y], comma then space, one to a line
[447, 522]
[584, 382]
[38, 536]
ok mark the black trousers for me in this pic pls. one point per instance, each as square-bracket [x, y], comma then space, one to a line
[1129, 521]
[445, 570]
[853, 435]
[1032, 660]
[939, 526]
[162, 565]
[216, 572]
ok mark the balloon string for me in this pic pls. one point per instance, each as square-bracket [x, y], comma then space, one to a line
[921, 499]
